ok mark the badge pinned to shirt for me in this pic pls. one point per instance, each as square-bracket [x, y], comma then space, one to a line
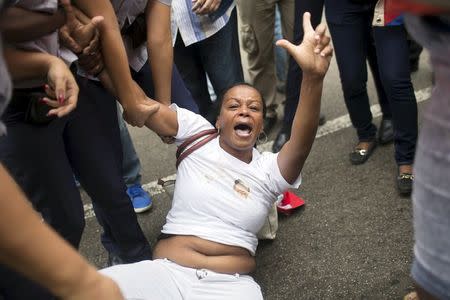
[241, 188]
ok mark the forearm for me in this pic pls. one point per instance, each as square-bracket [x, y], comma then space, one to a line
[116, 63]
[34, 249]
[113, 49]
[161, 62]
[19, 25]
[306, 119]
[164, 122]
[105, 79]
[160, 50]
[292, 156]
[25, 65]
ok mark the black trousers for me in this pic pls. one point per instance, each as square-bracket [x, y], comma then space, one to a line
[42, 159]
[219, 57]
[295, 75]
[351, 30]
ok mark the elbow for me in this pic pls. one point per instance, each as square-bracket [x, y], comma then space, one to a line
[158, 41]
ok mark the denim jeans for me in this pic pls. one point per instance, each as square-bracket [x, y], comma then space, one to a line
[131, 165]
[218, 56]
[351, 30]
[431, 194]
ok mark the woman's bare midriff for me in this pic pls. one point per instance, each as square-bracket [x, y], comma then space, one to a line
[197, 253]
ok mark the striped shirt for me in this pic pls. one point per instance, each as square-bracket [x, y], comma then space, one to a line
[192, 27]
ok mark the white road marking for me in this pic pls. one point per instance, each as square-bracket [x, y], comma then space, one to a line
[342, 122]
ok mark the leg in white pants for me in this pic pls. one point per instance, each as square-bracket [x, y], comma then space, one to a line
[162, 279]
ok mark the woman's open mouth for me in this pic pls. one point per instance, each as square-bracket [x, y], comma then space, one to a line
[243, 130]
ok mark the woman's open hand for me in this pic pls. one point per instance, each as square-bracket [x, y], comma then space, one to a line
[314, 54]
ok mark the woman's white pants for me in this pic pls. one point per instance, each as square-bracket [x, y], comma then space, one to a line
[163, 279]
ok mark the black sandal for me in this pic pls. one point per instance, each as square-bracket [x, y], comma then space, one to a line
[360, 156]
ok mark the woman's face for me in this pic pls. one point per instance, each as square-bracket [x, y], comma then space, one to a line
[241, 118]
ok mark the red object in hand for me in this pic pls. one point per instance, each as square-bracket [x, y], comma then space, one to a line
[289, 203]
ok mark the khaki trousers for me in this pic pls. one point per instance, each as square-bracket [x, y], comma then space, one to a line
[256, 37]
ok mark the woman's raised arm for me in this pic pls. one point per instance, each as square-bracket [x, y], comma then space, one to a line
[313, 56]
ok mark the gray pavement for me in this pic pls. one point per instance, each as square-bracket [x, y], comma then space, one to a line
[353, 238]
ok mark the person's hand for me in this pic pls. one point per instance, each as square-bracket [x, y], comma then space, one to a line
[202, 7]
[67, 41]
[79, 32]
[139, 109]
[91, 58]
[99, 288]
[139, 113]
[62, 89]
[314, 54]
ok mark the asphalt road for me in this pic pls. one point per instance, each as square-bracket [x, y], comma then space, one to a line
[352, 240]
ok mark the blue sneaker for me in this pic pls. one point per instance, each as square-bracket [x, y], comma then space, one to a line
[141, 199]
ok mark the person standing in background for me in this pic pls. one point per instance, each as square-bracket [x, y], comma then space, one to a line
[351, 23]
[206, 45]
[146, 34]
[256, 31]
[295, 75]
[429, 24]
[32, 248]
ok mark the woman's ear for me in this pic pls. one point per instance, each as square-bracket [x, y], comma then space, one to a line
[218, 123]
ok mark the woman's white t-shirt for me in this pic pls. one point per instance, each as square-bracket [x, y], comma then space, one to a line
[219, 197]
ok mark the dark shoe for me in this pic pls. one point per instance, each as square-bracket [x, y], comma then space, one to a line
[360, 156]
[385, 132]
[405, 183]
[282, 137]
[114, 260]
[269, 123]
